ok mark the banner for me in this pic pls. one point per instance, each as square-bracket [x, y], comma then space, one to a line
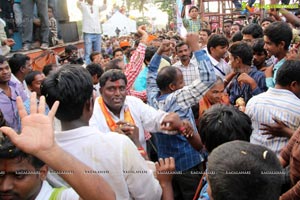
[180, 28]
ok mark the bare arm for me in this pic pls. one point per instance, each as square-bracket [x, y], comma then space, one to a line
[37, 138]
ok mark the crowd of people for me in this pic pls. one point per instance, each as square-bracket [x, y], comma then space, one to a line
[212, 115]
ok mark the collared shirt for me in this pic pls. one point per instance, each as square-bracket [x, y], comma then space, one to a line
[180, 102]
[190, 72]
[270, 81]
[114, 157]
[145, 117]
[27, 108]
[221, 68]
[22, 84]
[191, 25]
[47, 191]
[90, 20]
[245, 90]
[133, 69]
[8, 105]
[275, 103]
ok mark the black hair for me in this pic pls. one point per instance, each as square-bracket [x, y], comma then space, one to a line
[222, 123]
[2, 59]
[2, 120]
[166, 76]
[278, 32]
[112, 75]
[240, 170]
[9, 151]
[105, 55]
[113, 64]
[48, 68]
[116, 50]
[93, 54]
[180, 44]
[288, 72]
[242, 50]
[253, 29]
[268, 19]
[70, 48]
[17, 61]
[30, 76]
[238, 36]
[239, 25]
[128, 53]
[258, 46]
[95, 69]
[150, 51]
[193, 7]
[207, 31]
[228, 21]
[217, 40]
[72, 86]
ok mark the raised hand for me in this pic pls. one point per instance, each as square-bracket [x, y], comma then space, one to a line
[192, 40]
[165, 47]
[142, 30]
[37, 135]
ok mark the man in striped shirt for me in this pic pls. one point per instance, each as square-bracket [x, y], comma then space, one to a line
[280, 104]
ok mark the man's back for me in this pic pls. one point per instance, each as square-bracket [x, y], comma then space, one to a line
[280, 104]
[112, 156]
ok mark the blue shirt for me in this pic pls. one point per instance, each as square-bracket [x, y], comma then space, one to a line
[140, 83]
[270, 81]
[8, 105]
[180, 102]
[245, 90]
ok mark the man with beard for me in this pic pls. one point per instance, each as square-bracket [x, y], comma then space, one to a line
[8, 93]
[203, 38]
[186, 64]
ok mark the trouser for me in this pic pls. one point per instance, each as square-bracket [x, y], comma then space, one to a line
[27, 9]
[185, 184]
[92, 42]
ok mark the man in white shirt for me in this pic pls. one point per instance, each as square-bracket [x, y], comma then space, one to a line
[25, 157]
[217, 47]
[91, 27]
[280, 105]
[186, 63]
[115, 105]
[111, 155]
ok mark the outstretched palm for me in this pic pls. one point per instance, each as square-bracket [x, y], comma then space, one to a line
[37, 128]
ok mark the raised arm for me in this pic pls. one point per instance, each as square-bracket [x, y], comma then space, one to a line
[137, 59]
[152, 88]
[191, 94]
[37, 139]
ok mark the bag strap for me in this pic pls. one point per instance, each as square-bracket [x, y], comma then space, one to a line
[200, 185]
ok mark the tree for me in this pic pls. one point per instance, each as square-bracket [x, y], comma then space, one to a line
[136, 4]
[168, 7]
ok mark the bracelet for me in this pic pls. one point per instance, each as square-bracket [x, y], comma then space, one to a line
[225, 80]
[142, 151]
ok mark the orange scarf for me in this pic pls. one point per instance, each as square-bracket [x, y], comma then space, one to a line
[109, 120]
[204, 103]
